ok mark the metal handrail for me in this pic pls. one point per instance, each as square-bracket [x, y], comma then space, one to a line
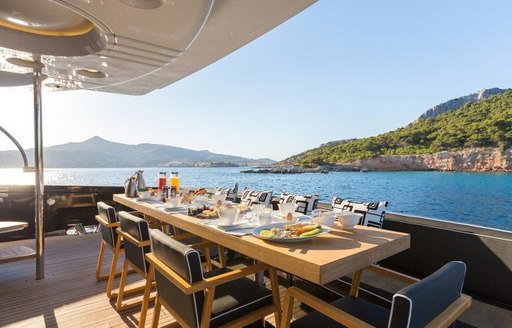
[22, 151]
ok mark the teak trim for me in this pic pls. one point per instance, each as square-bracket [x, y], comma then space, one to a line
[327, 309]
[188, 288]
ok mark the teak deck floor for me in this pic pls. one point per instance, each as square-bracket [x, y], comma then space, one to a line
[69, 296]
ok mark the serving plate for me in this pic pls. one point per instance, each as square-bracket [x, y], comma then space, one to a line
[230, 226]
[256, 233]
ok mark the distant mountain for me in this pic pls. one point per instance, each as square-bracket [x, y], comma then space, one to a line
[478, 132]
[456, 103]
[98, 152]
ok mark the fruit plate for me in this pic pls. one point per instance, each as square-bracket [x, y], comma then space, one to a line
[256, 233]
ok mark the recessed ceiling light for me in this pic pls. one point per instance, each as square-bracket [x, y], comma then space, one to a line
[91, 72]
[25, 62]
[144, 4]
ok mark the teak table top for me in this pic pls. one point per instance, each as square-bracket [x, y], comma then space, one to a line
[319, 260]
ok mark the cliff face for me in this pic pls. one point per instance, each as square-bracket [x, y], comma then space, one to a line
[455, 104]
[469, 160]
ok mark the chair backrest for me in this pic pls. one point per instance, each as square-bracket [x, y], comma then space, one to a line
[305, 203]
[137, 228]
[418, 304]
[372, 212]
[251, 196]
[229, 192]
[107, 212]
[186, 262]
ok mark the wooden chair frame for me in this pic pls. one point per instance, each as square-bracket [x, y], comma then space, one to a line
[120, 306]
[101, 220]
[103, 245]
[205, 245]
[444, 319]
[208, 285]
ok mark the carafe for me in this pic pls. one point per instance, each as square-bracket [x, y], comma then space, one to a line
[139, 179]
[175, 182]
[162, 180]
[130, 187]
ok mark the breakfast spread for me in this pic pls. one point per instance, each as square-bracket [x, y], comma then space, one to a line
[293, 231]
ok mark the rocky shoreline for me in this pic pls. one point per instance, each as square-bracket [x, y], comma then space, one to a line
[467, 160]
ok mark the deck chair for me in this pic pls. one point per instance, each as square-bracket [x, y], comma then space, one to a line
[435, 301]
[134, 232]
[197, 299]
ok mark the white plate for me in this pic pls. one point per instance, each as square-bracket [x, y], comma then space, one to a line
[229, 226]
[176, 209]
[256, 233]
[295, 215]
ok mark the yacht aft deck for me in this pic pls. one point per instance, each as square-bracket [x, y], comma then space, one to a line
[69, 296]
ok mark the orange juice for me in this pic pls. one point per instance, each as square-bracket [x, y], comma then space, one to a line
[174, 181]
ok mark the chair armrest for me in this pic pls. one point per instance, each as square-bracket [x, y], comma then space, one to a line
[136, 213]
[451, 313]
[325, 308]
[202, 245]
[101, 220]
[183, 235]
[132, 240]
[188, 288]
[235, 274]
[392, 274]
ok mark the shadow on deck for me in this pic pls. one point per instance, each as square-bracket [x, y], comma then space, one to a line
[69, 296]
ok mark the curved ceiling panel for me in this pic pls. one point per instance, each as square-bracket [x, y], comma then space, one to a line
[42, 18]
[131, 46]
[44, 27]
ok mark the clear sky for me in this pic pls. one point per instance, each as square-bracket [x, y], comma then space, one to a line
[338, 70]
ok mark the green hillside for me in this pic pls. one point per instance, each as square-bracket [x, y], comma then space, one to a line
[487, 123]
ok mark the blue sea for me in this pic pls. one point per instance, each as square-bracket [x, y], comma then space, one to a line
[476, 198]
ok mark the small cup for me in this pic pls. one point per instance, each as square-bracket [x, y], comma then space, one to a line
[219, 198]
[228, 215]
[348, 220]
[258, 208]
[264, 218]
[286, 208]
[174, 201]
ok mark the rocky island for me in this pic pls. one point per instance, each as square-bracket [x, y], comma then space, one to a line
[471, 133]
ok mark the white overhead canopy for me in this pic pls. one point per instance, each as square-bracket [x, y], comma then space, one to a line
[128, 46]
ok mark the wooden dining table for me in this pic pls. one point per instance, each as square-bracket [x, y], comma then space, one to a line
[320, 260]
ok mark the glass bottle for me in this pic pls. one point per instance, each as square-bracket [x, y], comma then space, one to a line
[162, 180]
[174, 181]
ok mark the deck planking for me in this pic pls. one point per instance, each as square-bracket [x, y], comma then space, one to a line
[69, 296]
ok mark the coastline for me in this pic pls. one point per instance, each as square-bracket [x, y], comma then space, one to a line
[466, 160]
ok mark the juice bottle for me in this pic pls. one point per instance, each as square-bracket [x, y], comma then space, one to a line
[162, 180]
[174, 181]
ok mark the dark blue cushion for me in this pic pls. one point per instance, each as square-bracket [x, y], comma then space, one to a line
[418, 304]
[138, 229]
[107, 212]
[186, 262]
[357, 307]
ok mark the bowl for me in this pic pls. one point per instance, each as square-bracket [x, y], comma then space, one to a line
[144, 194]
[174, 201]
[228, 215]
[348, 220]
[286, 208]
[326, 219]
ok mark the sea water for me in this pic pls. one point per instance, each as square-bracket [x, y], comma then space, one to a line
[476, 198]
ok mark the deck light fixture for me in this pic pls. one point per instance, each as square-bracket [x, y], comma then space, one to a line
[25, 62]
[91, 72]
